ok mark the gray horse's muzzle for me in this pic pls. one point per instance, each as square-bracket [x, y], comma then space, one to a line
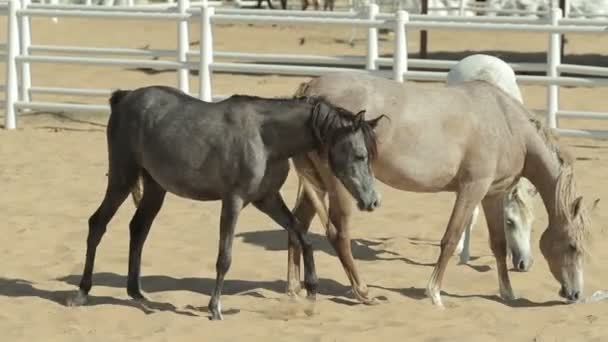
[371, 203]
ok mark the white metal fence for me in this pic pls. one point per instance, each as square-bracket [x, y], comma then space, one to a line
[20, 53]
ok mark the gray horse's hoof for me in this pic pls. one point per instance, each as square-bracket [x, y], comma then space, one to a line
[79, 299]
[137, 296]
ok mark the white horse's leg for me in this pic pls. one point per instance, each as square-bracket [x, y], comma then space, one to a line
[464, 245]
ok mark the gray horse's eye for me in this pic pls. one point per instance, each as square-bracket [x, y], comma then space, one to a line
[573, 247]
[360, 157]
[510, 223]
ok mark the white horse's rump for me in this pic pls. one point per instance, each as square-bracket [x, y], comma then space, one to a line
[517, 207]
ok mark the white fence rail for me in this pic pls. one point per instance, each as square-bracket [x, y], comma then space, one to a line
[20, 53]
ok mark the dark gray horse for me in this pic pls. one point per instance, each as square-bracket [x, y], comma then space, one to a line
[236, 151]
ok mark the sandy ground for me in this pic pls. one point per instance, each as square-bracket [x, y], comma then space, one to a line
[53, 178]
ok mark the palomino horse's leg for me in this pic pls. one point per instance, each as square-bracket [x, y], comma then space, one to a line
[340, 213]
[139, 227]
[117, 190]
[464, 244]
[469, 196]
[493, 208]
[231, 207]
[304, 213]
[276, 209]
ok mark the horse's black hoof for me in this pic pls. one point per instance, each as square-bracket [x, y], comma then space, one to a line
[137, 295]
[79, 299]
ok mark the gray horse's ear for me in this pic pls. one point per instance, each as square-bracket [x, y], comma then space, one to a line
[374, 122]
[577, 205]
[359, 119]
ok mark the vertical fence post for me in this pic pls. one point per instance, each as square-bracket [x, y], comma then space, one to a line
[553, 61]
[26, 41]
[182, 48]
[12, 47]
[372, 39]
[206, 54]
[400, 54]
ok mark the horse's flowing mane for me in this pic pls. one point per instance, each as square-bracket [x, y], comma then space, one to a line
[565, 191]
[329, 122]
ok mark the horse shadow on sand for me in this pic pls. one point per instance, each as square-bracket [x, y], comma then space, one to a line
[418, 293]
[20, 288]
[362, 249]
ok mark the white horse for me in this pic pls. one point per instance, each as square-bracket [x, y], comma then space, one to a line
[518, 212]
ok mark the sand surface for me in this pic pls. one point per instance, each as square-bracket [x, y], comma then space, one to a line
[53, 178]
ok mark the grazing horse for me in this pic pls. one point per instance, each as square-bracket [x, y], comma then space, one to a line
[472, 139]
[519, 216]
[236, 151]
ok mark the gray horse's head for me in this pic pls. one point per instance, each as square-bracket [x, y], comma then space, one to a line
[350, 143]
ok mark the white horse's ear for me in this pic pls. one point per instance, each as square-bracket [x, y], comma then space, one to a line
[577, 205]
[594, 205]
[513, 193]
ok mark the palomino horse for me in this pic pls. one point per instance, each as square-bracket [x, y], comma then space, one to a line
[519, 216]
[236, 151]
[472, 139]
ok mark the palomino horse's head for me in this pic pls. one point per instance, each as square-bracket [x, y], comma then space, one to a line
[519, 217]
[563, 242]
[350, 143]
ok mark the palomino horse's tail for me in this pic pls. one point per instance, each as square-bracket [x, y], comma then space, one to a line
[115, 98]
[310, 182]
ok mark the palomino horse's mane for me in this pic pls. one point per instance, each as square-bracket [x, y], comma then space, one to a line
[565, 193]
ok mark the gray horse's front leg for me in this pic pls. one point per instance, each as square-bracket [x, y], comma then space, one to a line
[275, 208]
[231, 207]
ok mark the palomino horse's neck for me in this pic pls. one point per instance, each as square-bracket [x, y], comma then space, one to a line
[543, 168]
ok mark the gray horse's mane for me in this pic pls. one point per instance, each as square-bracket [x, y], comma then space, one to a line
[328, 121]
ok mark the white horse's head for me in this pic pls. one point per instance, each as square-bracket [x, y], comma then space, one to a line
[518, 224]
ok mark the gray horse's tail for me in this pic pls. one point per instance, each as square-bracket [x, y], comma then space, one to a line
[136, 190]
[117, 96]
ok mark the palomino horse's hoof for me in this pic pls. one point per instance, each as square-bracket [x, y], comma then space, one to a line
[371, 301]
[79, 299]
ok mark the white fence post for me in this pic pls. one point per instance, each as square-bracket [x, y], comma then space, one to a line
[26, 41]
[183, 79]
[553, 61]
[372, 39]
[12, 48]
[206, 54]
[400, 53]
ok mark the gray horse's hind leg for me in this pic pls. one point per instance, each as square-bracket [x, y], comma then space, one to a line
[275, 207]
[118, 188]
[231, 207]
[139, 227]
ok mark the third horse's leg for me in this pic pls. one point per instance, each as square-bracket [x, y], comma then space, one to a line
[493, 208]
[464, 245]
